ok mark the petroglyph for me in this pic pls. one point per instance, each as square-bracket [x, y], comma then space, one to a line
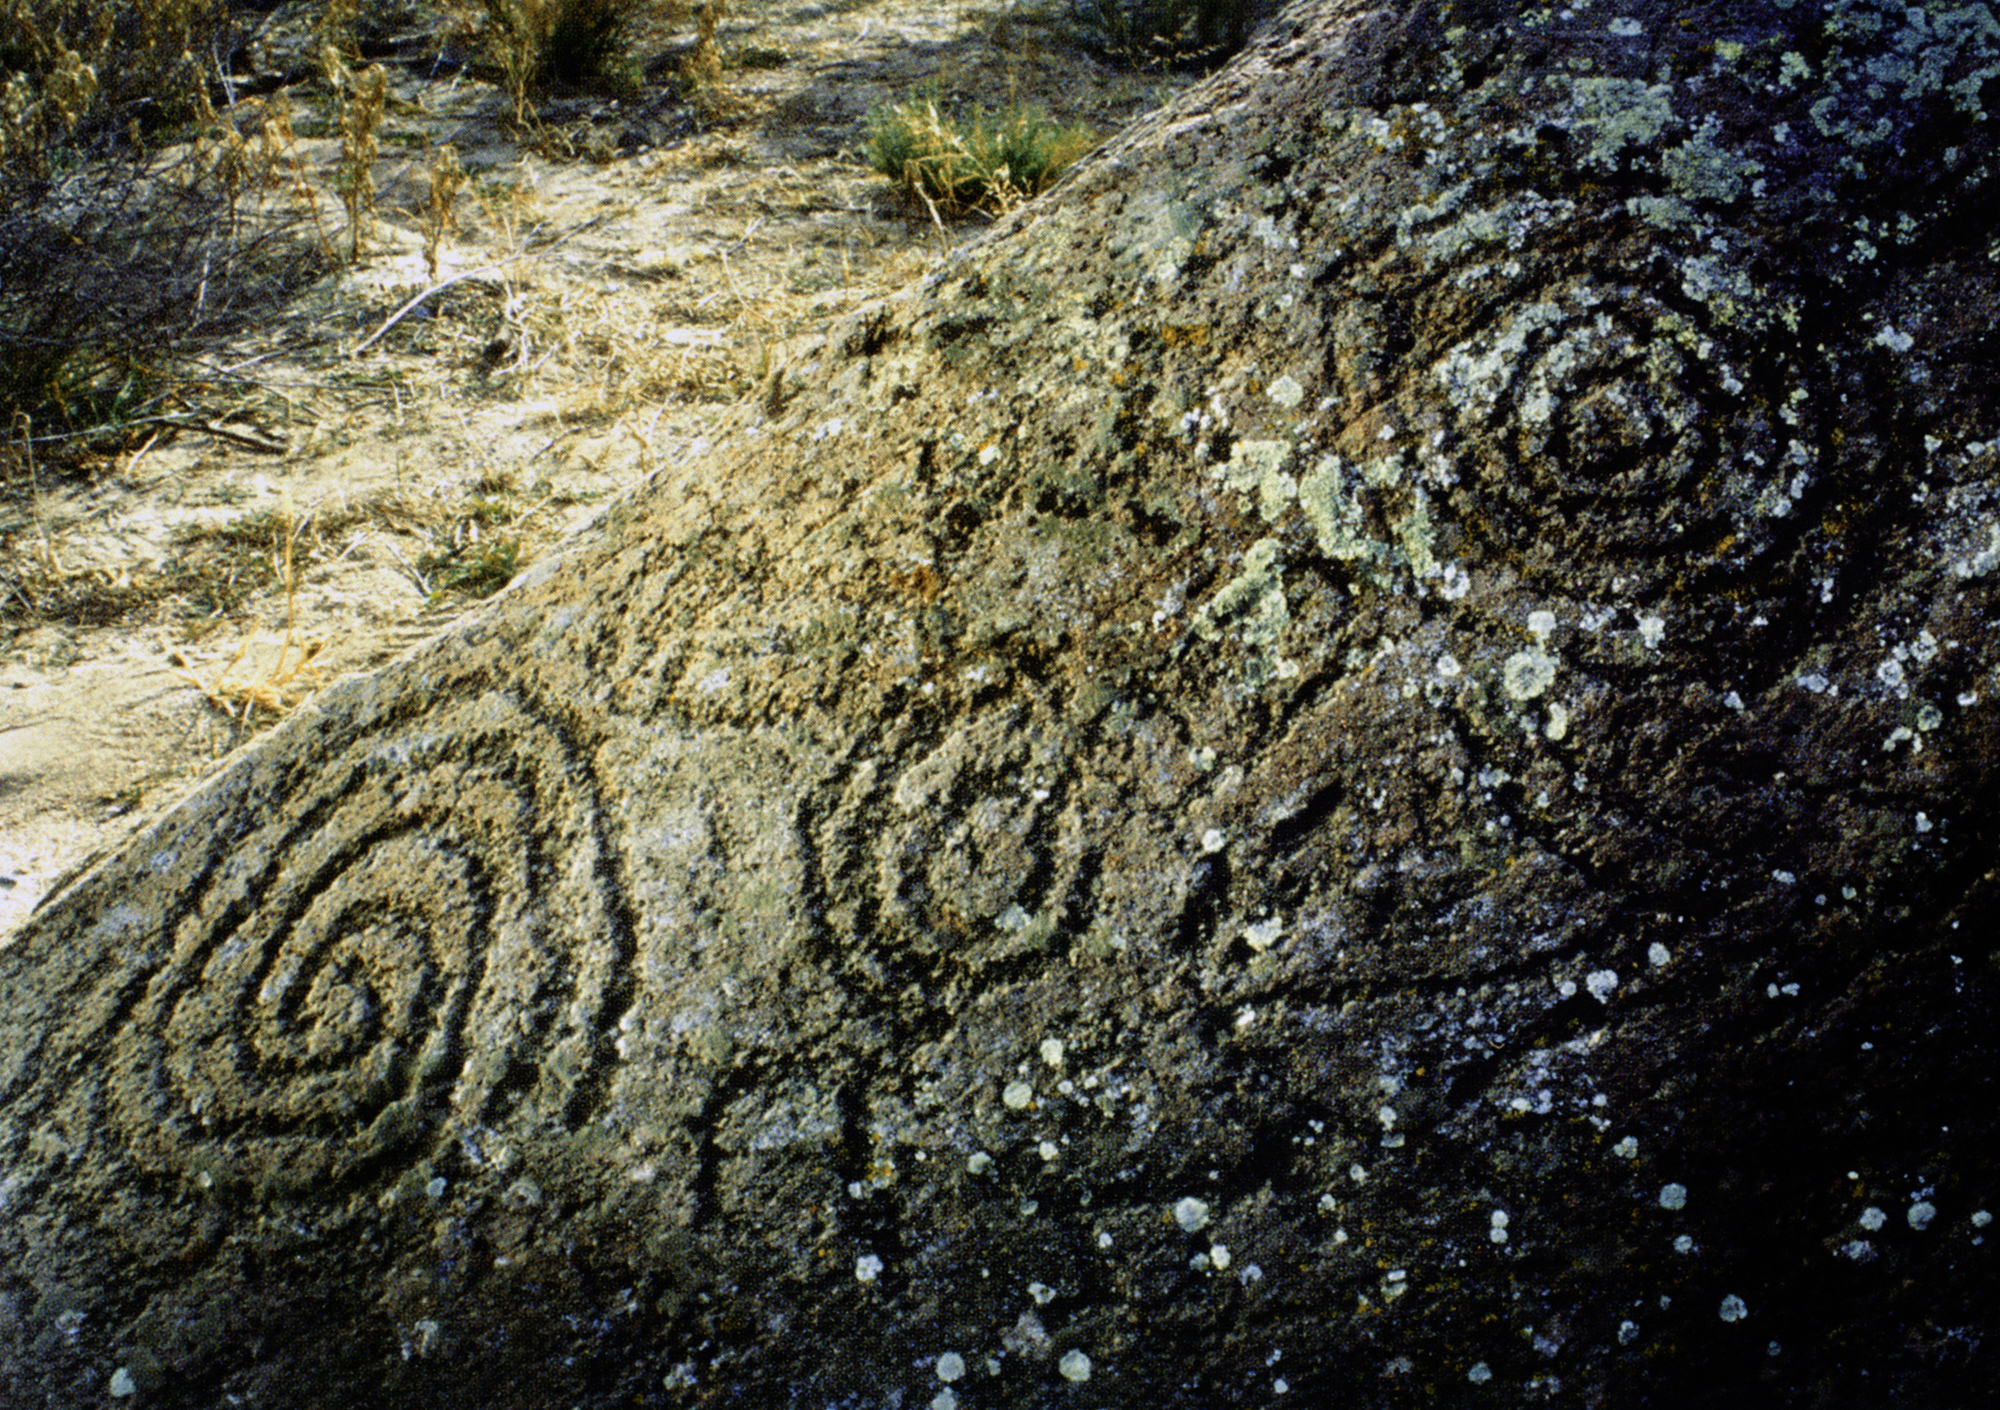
[427, 938]
[1197, 790]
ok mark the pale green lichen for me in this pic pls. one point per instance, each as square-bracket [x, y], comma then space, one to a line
[1701, 170]
[1258, 467]
[1616, 113]
[1331, 497]
[1252, 604]
[1527, 673]
[1414, 533]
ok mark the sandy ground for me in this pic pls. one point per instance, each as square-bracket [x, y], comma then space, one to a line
[621, 279]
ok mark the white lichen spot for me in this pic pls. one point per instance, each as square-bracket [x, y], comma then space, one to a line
[1264, 934]
[1526, 674]
[1042, 1293]
[1498, 1230]
[1218, 1256]
[1628, 1332]
[946, 1399]
[1601, 983]
[979, 1162]
[1557, 728]
[1673, 1196]
[867, 1268]
[1048, 1150]
[1541, 622]
[1286, 392]
[1732, 1309]
[1873, 1219]
[1656, 956]
[1017, 1095]
[1453, 582]
[1052, 1052]
[1684, 1244]
[123, 1387]
[1448, 667]
[1890, 673]
[1895, 340]
[1191, 1214]
[1213, 841]
[1792, 67]
[1480, 1373]
[1921, 1213]
[1652, 631]
[1075, 1367]
[1981, 1218]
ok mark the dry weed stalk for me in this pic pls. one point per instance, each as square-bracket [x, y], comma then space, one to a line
[360, 99]
[277, 690]
[278, 150]
[446, 177]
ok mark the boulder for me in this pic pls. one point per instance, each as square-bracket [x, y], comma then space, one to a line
[1354, 763]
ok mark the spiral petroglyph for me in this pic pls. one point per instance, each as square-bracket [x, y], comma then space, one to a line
[429, 939]
[1634, 413]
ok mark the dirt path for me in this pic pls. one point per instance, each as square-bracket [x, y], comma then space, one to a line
[621, 280]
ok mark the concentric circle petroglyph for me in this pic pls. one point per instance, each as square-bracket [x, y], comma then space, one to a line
[429, 937]
[1633, 414]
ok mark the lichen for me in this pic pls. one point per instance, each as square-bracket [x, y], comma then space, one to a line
[1252, 604]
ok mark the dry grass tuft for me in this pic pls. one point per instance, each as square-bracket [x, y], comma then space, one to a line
[277, 687]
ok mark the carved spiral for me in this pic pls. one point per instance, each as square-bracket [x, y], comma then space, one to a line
[428, 938]
[1609, 419]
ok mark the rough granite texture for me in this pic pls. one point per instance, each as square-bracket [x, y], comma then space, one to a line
[1354, 764]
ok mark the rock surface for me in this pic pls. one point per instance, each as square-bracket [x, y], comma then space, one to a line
[1353, 765]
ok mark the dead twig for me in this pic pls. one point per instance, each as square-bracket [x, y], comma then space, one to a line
[437, 288]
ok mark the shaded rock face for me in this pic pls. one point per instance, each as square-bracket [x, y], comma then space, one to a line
[1354, 762]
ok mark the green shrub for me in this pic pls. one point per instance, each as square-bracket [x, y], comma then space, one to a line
[1166, 33]
[984, 161]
